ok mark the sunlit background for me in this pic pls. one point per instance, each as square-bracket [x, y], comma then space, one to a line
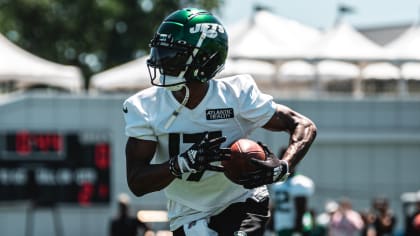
[67, 66]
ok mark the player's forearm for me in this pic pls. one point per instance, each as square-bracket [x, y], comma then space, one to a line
[301, 129]
[301, 139]
[149, 179]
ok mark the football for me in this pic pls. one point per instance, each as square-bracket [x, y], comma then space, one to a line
[239, 164]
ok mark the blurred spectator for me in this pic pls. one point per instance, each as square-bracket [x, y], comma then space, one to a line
[345, 221]
[125, 224]
[413, 219]
[323, 219]
[369, 219]
[385, 220]
[416, 224]
[291, 212]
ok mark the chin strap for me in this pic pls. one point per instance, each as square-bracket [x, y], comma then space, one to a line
[176, 112]
[181, 75]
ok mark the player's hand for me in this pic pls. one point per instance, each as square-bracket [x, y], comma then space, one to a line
[200, 156]
[270, 170]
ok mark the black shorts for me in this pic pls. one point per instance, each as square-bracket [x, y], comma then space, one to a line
[250, 217]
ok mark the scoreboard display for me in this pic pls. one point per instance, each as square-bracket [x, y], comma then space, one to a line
[51, 167]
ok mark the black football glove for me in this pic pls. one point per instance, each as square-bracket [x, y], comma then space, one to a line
[270, 170]
[200, 156]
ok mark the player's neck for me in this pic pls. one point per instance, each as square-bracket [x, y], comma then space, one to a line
[197, 93]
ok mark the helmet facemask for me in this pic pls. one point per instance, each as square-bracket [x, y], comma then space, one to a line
[170, 58]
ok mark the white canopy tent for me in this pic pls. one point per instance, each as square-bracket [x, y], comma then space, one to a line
[407, 46]
[292, 72]
[405, 63]
[340, 53]
[381, 70]
[344, 43]
[269, 37]
[132, 75]
[260, 69]
[327, 70]
[411, 70]
[407, 50]
[26, 69]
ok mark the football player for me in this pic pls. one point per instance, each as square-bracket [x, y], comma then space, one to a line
[291, 200]
[180, 129]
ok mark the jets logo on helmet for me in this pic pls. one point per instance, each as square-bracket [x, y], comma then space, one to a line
[210, 30]
[190, 45]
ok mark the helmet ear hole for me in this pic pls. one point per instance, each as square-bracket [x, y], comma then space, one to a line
[205, 67]
[209, 68]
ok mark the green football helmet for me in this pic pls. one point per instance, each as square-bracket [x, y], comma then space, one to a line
[190, 44]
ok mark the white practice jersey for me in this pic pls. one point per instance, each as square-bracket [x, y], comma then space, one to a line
[233, 107]
[283, 196]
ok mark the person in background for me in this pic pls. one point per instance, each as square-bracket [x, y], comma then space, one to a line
[346, 221]
[412, 218]
[291, 213]
[126, 225]
[385, 219]
[323, 219]
[369, 219]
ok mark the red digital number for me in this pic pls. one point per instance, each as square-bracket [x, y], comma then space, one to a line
[85, 194]
[23, 145]
[47, 142]
[41, 142]
[103, 191]
[57, 142]
[25, 142]
[102, 156]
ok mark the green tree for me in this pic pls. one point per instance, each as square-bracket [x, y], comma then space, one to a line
[91, 34]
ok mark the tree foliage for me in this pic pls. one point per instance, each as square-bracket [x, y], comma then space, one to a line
[91, 34]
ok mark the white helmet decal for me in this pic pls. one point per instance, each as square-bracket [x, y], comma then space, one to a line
[211, 30]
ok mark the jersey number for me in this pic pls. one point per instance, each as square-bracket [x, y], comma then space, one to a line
[282, 199]
[174, 146]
